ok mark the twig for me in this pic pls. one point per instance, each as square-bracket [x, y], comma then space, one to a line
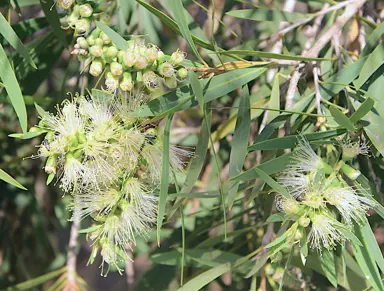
[72, 256]
[317, 88]
[130, 271]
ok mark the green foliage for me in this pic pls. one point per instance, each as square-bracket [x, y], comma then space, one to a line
[238, 106]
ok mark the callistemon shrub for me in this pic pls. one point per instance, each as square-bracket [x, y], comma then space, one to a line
[110, 162]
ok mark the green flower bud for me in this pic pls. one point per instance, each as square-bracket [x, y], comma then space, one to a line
[76, 10]
[152, 54]
[78, 154]
[129, 59]
[74, 141]
[120, 57]
[82, 42]
[105, 18]
[105, 38]
[127, 83]
[99, 41]
[91, 40]
[111, 52]
[116, 69]
[96, 68]
[96, 51]
[166, 69]
[86, 10]
[141, 63]
[350, 172]
[50, 165]
[298, 235]
[65, 4]
[177, 58]
[304, 221]
[82, 26]
[160, 56]
[82, 138]
[96, 32]
[72, 20]
[171, 82]
[182, 73]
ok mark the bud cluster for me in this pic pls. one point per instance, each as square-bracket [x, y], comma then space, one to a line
[322, 205]
[82, 14]
[111, 165]
[141, 64]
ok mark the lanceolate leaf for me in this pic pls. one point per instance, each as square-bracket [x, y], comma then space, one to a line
[164, 182]
[239, 143]
[8, 78]
[8, 33]
[341, 119]
[7, 178]
[268, 15]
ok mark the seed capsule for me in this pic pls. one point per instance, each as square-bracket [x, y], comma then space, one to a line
[166, 70]
[82, 26]
[177, 58]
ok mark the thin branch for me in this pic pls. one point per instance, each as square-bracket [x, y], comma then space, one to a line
[72, 256]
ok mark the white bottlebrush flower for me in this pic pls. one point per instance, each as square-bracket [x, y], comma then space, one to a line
[74, 174]
[296, 183]
[351, 206]
[68, 122]
[304, 159]
[324, 232]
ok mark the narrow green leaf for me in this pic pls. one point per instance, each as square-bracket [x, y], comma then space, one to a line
[371, 243]
[366, 261]
[50, 178]
[269, 55]
[274, 101]
[272, 166]
[27, 135]
[197, 162]
[341, 118]
[116, 38]
[12, 87]
[179, 14]
[206, 277]
[200, 195]
[8, 179]
[373, 63]
[260, 14]
[272, 183]
[259, 263]
[327, 264]
[239, 143]
[53, 18]
[364, 108]
[164, 182]
[372, 39]
[172, 24]
[12, 38]
[40, 110]
[197, 89]
[28, 285]
[291, 140]
[276, 217]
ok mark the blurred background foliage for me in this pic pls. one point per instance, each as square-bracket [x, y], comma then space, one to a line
[34, 226]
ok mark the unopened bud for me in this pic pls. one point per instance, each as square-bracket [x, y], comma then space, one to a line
[86, 10]
[82, 26]
[182, 73]
[304, 221]
[160, 56]
[65, 4]
[72, 20]
[99, 41]
[171, 82]
[111, 52]
[152, 54]
[298, 235]
[105, 38]
[129, 59]
[96, 68]
[112, 82]
[116, 69]
[127, 83]
[96, 50]
[91, 40]
[96, 32]
[177, 58]
[166, 70]
[82, 42]
[141, 63]
[50, 165]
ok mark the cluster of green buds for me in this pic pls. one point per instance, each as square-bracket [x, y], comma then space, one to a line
[140, 64]
[111, 164]
[318, 200]
[82, 14]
